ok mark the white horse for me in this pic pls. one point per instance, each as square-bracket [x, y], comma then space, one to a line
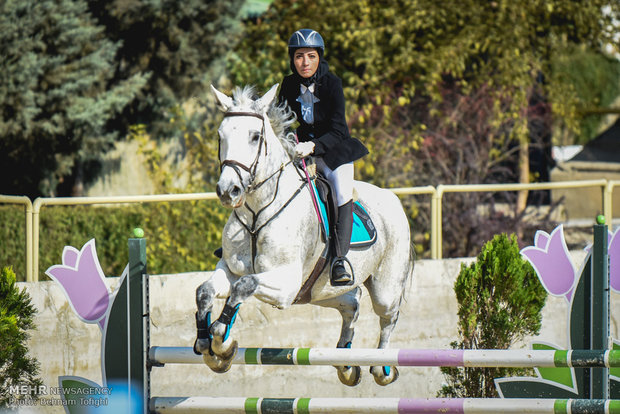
[272, 239]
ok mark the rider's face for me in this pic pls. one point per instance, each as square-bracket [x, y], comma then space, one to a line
[306, 61]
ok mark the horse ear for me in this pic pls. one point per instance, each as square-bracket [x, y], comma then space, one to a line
[268, 98]
[225, 102]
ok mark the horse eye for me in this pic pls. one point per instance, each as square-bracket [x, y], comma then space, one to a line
[254, 136]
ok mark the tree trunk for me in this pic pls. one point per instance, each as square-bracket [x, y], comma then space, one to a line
[524, 178]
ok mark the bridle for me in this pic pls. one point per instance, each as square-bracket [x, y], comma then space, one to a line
[234, 164]
[252, 229]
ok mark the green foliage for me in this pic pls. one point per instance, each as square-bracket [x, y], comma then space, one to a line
[177, 42]
[392, 54]
[595, 79]
[500, 300]
[76, 73]
[13, 239]
[17, 368]
[196, 130]
[188, 230]
[180, 236]
[474, 77]
[57, 92]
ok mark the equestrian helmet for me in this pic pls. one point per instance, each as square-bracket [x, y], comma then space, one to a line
[306, 38]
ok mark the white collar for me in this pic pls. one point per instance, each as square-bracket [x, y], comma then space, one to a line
[303, 88]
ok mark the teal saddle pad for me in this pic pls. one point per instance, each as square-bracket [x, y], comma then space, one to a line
[364, 232]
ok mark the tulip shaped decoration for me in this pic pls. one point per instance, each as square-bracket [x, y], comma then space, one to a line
[83, 282]
[550, 258]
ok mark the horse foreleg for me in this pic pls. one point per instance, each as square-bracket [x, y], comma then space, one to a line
[348, 305]
[385, 375]
[204, 302]
[222, 345]
[217, 286]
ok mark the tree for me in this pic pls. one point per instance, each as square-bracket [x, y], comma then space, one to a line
[17, 368]
[500, 300]
[56, 98]
[179, 43]
[466, 150]
[596, 82]
[398, 61]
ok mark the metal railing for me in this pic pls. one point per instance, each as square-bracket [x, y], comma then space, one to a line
[32, 210]
[7, 199]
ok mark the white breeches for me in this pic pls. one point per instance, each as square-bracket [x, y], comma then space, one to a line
[341, 179]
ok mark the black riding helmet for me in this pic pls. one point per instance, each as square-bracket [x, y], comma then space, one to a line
[308, 38]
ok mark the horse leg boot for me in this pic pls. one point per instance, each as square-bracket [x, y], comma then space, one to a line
[342, 240]
[223, 346]
[204, 301]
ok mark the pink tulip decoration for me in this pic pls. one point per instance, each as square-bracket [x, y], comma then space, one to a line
[83, 282]
[550, 258]
[613, 251]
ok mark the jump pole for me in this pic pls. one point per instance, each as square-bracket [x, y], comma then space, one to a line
[159, 355]
[221, 405]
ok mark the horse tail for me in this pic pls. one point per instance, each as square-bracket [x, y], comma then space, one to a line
[409, 275]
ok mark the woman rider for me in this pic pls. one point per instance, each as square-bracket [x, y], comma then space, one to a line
[315, 95]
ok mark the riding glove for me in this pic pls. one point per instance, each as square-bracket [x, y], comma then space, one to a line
[303, 149]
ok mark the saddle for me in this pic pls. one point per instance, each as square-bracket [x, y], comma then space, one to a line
[363, 233]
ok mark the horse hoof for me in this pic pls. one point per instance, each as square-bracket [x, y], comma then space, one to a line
[216, 363]
[350, 376]
[226, 350]
[221, 363]
[384, 375]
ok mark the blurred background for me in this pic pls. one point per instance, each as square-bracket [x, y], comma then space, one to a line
[112, 98]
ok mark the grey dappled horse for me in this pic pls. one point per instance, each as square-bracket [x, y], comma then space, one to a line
[272, 239]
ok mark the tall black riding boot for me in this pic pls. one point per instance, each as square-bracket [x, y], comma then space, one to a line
[342, 240]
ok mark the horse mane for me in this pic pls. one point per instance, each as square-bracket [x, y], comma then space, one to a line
[280, 115]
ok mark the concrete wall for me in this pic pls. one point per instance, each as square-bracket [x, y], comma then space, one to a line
[66, 346]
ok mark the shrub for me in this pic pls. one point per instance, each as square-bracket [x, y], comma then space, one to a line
[16, 318]
[500, 300]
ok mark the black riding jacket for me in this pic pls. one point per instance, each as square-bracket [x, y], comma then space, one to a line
[330, 133]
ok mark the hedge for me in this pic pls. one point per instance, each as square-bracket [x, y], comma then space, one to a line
[181, 236]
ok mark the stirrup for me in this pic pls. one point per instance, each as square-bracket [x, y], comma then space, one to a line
[342, 281]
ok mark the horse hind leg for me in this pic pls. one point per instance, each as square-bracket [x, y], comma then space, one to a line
[387, 289]
[348, 305]
[385, 375]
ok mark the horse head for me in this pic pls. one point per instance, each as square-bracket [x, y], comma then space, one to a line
[244, 136]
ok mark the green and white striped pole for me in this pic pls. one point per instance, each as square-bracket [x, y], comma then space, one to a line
[159, 355]
[222, 405]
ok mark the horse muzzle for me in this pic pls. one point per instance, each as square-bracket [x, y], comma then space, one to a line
[230, 195]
